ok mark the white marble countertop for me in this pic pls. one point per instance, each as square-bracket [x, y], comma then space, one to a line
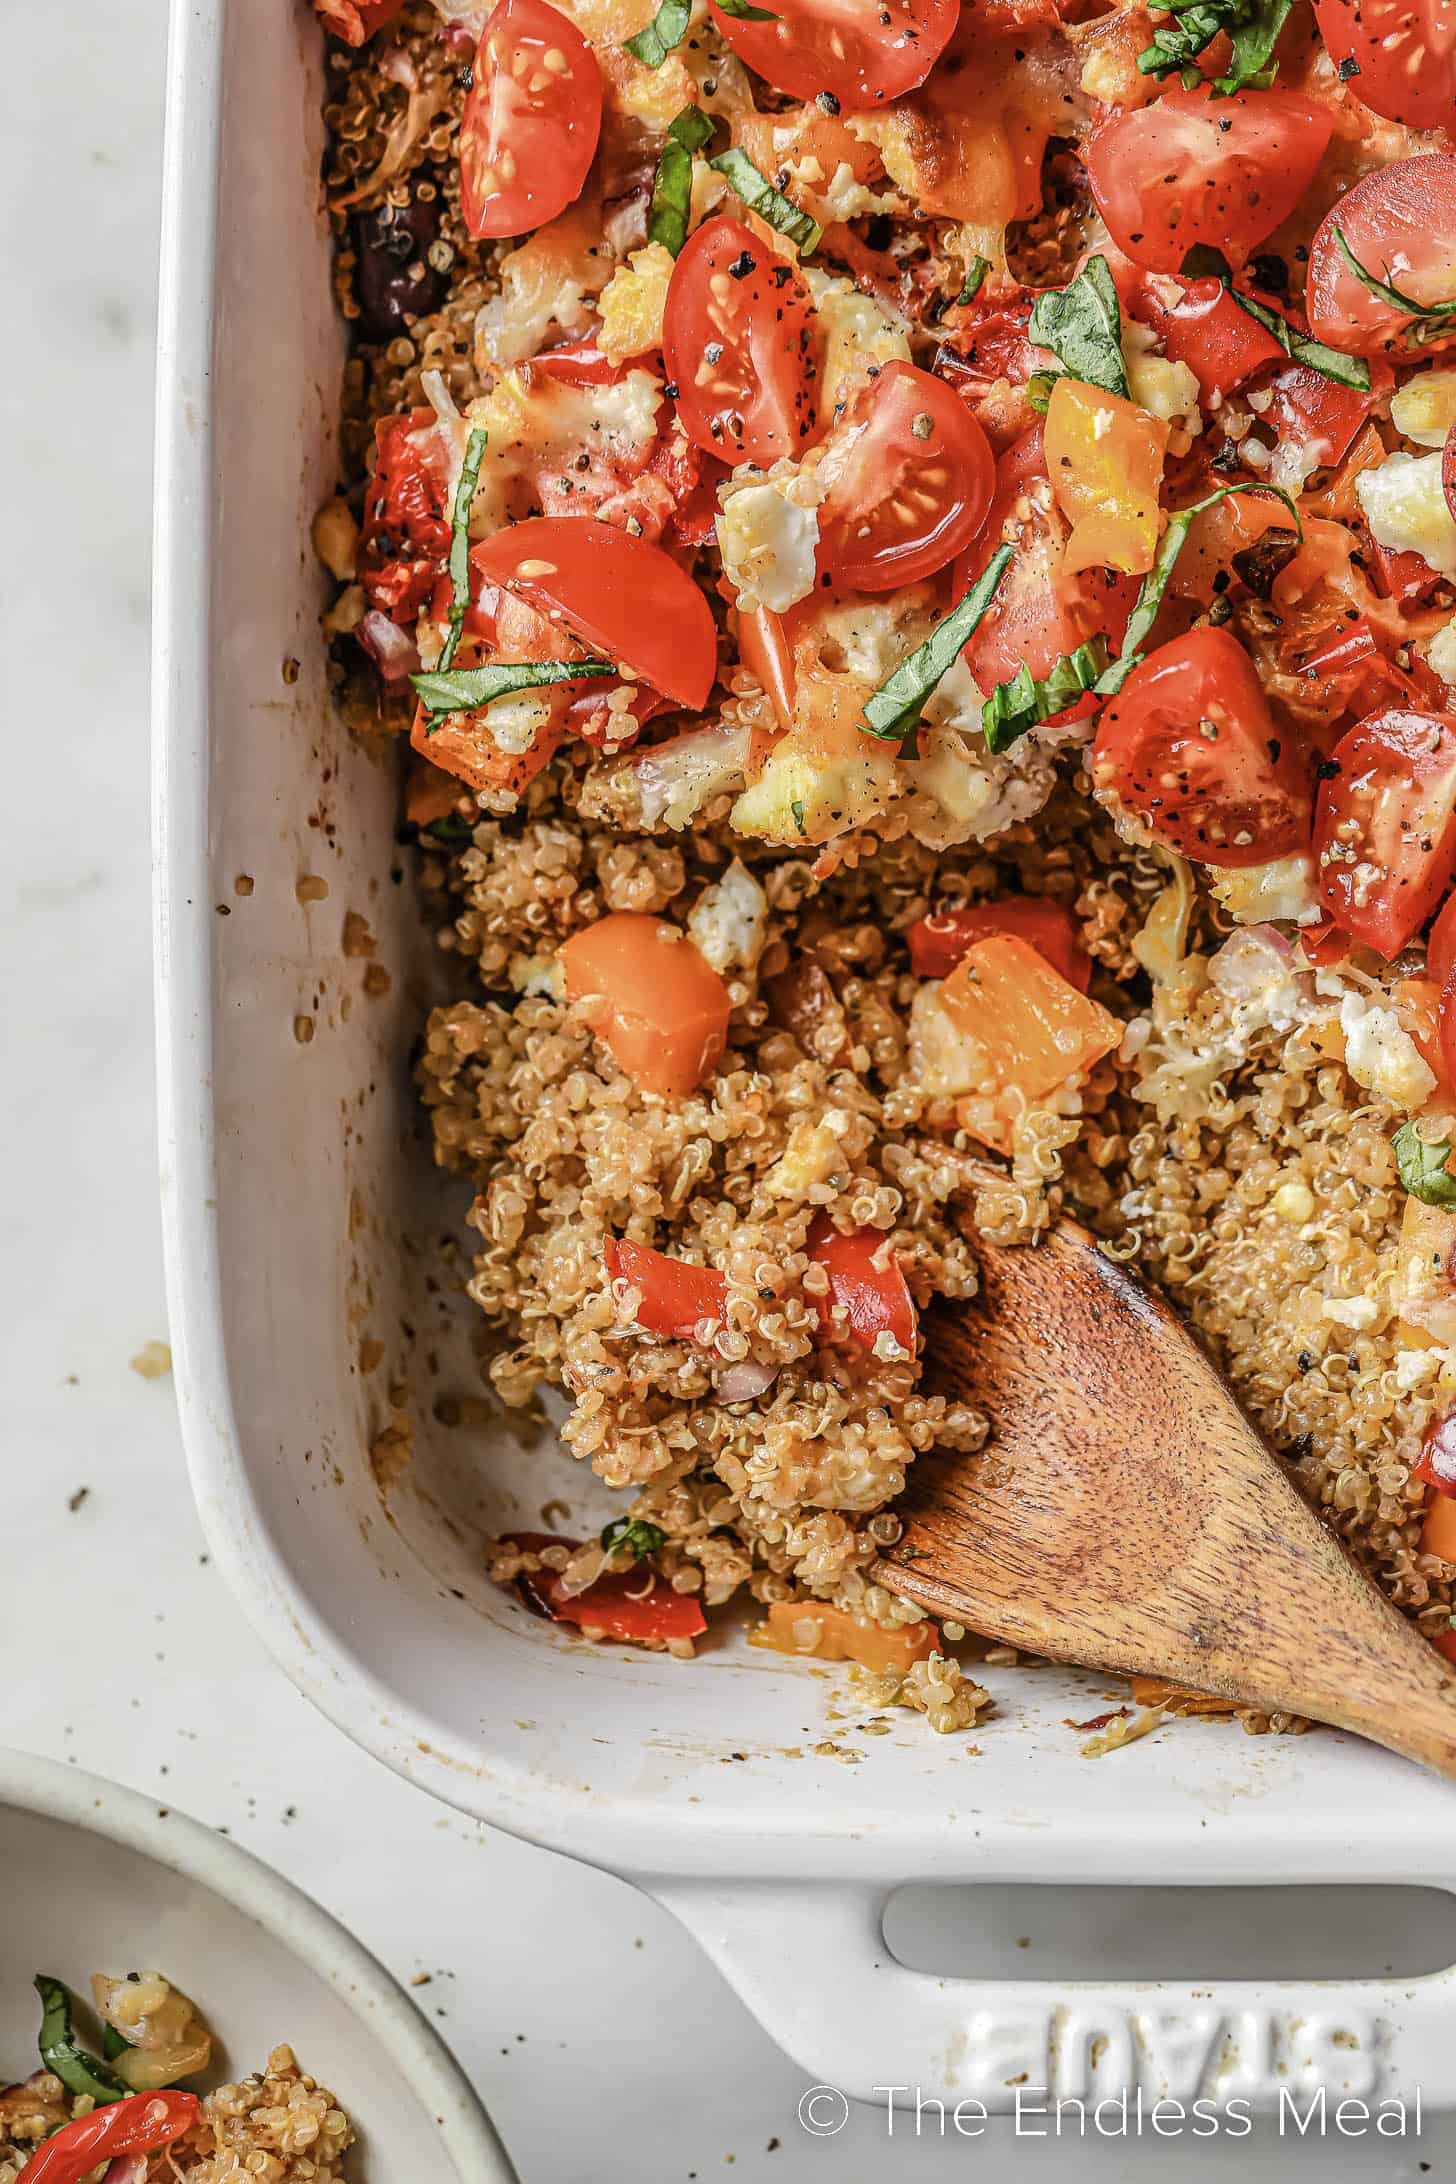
[605, 2045]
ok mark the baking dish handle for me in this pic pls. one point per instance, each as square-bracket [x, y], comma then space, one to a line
[810, 1961]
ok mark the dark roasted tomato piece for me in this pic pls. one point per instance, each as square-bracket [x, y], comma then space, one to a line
[406, 534]
[938, 943]
[1385, 825]
[1190, 746]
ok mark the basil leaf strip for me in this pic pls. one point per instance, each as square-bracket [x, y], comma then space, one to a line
[1082, 326]
[460, 541]
[975, 275]
[672, 185]
[668, 28]
[1346, 371]
[893, 712]
[61, 2052]
[1253, 28]
[1429, 317]
[1170, 545]
[636, 1536]
[1020, 704]
[1424, 1168]
[468, 688]
[741, 12]
[760, 196]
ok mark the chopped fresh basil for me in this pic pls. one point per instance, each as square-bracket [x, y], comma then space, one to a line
[672, 186]
[633, 1535]
[1423, 1168]
[1253, 28]
[797, 808]
[1018, 705]
[460, 542]
[1346, 371]
[741, 12]
[468, 688]
[1170, 545]
[893, 712]
[668, 28]
[1082, 326]
[1039, 389]
[1430, 318]
[760, 196]
[450, 829]
[976, 273]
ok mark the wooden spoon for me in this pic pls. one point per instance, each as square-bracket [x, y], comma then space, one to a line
[1125, 1515]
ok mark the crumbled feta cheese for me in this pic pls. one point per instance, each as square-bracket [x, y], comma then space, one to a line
[632, 304]
[1164, 389]
[545, 283]
[1284, 888]
[730, 919]
[542, 426]
[1381, 1056]
[944, 1062]
[1424, 409]
[515, 721]
[537, 977]
[857, 331]
[1359, 1313]
[1412, 1367]
[768, 542]
[1406, 510]
[805, 794]
[813, 1155]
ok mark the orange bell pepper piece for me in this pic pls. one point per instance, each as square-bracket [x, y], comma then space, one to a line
[464, 746]
[1438, 1533]
[650, 997]
[836, 1635]
[1105, 461]
[1032, 1028]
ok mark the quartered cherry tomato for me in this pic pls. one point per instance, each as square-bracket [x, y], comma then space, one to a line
[862, 51]
[867, 1296]
[620, 595]
[1400, 224]
[633, 1605]
[1385, 825]
[1404, 55]
[1190, 745]
[1192, 168]
[140, 2125]
[938, 943]
[738, 346]
[532, 117]
[911, 478]
[1206, 330]
[673, 1297]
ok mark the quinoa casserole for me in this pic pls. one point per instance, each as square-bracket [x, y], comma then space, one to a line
[117, 2116]
[910, 546]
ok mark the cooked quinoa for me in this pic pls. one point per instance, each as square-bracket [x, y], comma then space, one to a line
[1231, 1138]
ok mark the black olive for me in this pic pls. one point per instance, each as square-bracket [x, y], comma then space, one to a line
[395, 276]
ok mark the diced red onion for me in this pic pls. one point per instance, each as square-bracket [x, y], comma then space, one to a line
[396, 63]
[391, 648]
[743, 1382]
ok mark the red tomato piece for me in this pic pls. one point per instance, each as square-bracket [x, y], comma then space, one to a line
[866, 1286]
[673, 1297]
[580, 364]
[738, 345]
[1448, 470]
[1400, 223]
[1307, 406]
[652, 999]
[911, 478]
[1360, 655]
[139, 2125]
[622, 596]
[1441, 945]
[633, 1605]
[1206, 330]
[1190, 745]
[1192, 168]
[1436, 1464]
[863, 54]
[355, 21]
[406, 533]
[938, 943]
[765, 650]
[532, 118]
[1404, 53]
[1446, 1037]
[1385, 825]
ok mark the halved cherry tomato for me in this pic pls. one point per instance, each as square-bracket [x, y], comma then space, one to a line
[863, 53]
[532, 118]
[355, 21]
[738, 345]
[633, 1605]
[620, 595]
[1309, 407]
[833, 1634]
[1038, 613]
[673, 1297]
[938, 943]
[1029, 1026]
[1104, 459]
[1400, 223]
[911, 478]
[867, 1296]
[139, 2125]
[1385, 825]
[1404, 55]
[1190, 745]
[1206, 330]
[652, 999]
[1192, 168]
[406, 532]
[1441, 945]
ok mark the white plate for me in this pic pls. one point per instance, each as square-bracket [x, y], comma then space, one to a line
[96, 1878]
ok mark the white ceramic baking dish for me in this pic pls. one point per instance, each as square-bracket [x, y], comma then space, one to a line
[304, 1220]
[97, 1878]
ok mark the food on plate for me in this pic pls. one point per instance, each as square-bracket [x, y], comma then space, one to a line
[916, 561]
[113, 2108]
